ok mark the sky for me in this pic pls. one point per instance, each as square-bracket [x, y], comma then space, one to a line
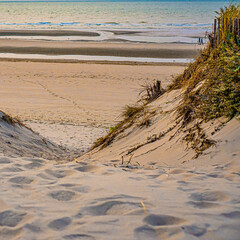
[113, 0]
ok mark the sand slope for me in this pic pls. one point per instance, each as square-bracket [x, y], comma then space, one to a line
[42, 199]
[16, 140]
[144, 185]
[162, 142]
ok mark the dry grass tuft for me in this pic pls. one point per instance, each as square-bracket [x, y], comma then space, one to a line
[197, 139]
[131, 110]
[130, 114]
[151, 92]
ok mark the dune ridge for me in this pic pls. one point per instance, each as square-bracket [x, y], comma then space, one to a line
[17, 140]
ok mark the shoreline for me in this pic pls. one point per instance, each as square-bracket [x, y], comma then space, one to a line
[74, 61]
[157, 36]
[84, 58]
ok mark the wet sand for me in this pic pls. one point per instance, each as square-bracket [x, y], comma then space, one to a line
[146, 50]
[47, 33]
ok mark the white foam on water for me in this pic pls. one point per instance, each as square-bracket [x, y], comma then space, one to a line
[95, 58]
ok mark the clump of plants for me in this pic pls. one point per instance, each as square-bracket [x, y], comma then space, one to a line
[130, 112]
[152, 91]
[211, 86]
[212, 82]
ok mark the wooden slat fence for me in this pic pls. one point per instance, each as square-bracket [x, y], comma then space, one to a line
[225, 29]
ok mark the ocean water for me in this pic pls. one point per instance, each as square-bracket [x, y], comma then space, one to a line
[156, 21]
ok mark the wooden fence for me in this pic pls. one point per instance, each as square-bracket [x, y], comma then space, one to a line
[225, 29]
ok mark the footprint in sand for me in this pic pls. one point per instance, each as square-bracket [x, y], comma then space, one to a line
[210, 196]
[195, 230]
[203, 204]
[56, 173]
[33, 165]
[145, 232]
[78, 237]
[21, 180]
[62, 195]
[86, 168]
[60, 224]
[11, 169]
[112, 208]
[162, 220]
[4, 160]
[10, 218]
[232, 215]
[148, 232]
[32, 228]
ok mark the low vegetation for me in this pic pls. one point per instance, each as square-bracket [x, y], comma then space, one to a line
[212, 82]
[211, 89]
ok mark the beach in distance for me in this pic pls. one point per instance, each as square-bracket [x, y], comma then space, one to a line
[119, 120]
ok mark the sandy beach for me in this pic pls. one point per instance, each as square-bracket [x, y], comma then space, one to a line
[86, 199]
[72, 93]
[119, 120]
[145, 184]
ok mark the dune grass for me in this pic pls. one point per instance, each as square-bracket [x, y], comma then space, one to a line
[212, 82]
[211, 86]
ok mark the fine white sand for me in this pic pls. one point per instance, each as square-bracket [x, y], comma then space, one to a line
[138, 187]
[41, 199]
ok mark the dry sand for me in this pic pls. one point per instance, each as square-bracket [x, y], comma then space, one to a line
[160, 194]
[42, 199]
[79, 94]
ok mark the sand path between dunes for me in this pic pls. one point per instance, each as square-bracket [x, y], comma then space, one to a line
[80, 94]
[73, 104]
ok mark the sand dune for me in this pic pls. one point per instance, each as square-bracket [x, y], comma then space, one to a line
[17, 140]
[86, 199]
[144, 185]
[162, 142]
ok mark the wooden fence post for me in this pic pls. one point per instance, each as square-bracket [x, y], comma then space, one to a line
[214, 32]
[238, 31]
[234, 26]
[226, 27]
[223, 34]
[230, 25]
[218, 31]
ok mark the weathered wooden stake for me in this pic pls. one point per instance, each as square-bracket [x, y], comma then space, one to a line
[234, 26]
[218, 31]
[214, 31]
[238, 31]
[226, 27]
[230, 25]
